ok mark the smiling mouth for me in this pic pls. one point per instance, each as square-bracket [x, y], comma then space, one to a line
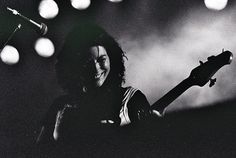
[97, 76]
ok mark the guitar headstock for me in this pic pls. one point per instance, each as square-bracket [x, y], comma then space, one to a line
[204, 72]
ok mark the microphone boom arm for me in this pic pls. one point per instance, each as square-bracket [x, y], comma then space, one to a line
[43, 27]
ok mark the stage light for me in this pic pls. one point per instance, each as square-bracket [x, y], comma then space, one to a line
[115, 1]
[80, 4]
[9, 55]
[48, 9]
[44, 47]
[216, 4]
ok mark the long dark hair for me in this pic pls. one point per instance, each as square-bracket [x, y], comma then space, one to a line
[71, 59]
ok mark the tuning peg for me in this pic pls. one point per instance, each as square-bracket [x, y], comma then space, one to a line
[212, 82]
[200, 62]
[211, 57]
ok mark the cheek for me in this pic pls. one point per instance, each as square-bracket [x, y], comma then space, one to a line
[106, 66]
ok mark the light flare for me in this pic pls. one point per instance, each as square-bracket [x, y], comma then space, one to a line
[48, 9]
[44, 47]
[80, 4]
[9, 55]
[215, 4]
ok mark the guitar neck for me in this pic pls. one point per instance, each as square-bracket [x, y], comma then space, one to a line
[168, 98]
[199, 76]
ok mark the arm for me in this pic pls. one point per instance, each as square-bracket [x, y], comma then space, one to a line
[139, 107]
[48, 124]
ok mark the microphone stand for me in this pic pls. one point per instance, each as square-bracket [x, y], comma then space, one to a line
[12, 34]
[15, 12]
[42, 27]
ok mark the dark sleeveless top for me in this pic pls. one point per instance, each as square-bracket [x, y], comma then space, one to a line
[67, 119]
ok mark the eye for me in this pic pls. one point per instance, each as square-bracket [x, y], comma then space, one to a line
[102, 59]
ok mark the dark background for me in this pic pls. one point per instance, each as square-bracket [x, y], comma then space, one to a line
[177, 33]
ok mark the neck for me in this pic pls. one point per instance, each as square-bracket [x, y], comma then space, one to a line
[169, 97]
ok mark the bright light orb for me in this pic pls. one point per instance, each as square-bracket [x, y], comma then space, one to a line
[216, 4]
[80, 4]
[44, 47]
[9, 55]
[115, 1]
[48, 9]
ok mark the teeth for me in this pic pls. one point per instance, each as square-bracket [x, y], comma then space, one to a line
[98, 75]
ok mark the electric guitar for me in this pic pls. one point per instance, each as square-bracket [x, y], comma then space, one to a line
[199, 76]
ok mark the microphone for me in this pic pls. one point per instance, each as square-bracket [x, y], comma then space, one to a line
[43, 29]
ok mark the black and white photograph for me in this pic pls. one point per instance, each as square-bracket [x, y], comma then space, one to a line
[117, 78]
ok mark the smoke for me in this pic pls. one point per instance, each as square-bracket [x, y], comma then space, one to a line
[158, 62]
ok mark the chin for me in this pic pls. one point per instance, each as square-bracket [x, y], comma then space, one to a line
[100, 84]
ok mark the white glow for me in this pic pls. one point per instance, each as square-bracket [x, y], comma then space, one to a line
[166, 63]
[115, 1]
[216, 4]
[80, 4]
[48, 9]
[44, 47]
[9, 55]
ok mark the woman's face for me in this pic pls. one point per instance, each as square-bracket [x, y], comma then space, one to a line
[100, 65]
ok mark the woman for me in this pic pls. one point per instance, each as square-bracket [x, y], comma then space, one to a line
[90, 69]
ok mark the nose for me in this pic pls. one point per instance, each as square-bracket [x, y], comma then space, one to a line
[96, 67]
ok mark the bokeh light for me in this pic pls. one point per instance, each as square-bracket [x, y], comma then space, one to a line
[115, 1]
[48, 9]
[216, 4]
[80, 4]
[9, 55]
[44, 47]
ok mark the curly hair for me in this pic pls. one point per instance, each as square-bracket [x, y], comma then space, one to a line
[72, 58]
